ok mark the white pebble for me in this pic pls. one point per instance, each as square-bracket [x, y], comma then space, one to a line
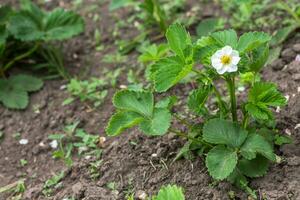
[288, 131]
[123, 86]
[297, 59]
[23, 141]
[54, 144]
[154, 155]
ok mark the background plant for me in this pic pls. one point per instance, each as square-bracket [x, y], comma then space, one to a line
[73, 138]
[32, 33]
[235, 139]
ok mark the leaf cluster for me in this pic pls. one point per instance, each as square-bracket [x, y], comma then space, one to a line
[92, 90]
[27, 32]
[73, 138]
[14, 91]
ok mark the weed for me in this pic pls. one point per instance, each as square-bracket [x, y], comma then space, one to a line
[52, 183]
[72, 138]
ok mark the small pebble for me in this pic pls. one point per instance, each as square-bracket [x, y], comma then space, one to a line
[141, 195]
[277, 64]
[288, 54]
[54, 144]
[296, 48]
[23, 141]
[288, 132]
[297, 59]
[296, 77]
[154, 155]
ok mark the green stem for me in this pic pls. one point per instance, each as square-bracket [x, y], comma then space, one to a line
[183, 121]
[183, 135]
[231, 87]
[20, 57]
[245, 121]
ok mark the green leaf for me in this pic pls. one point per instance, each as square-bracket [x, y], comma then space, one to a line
[267, 94]
[255, 144]
[167, 102]
[140, 102]
[282, 34]
[170, 193]
[61, 24]
[259, 111]
[25, 26]
[208, 26]
[153, 53]
[283, 139]
[178, 39]
[32, 23]
[121, 121]
[260, 56]
[240, 181]
[158, 124]
[221, 162]
[26, 82]
[13, 91]
[274, 54]
[197, 99]
[251, 40]
[5, 13]
[116, 4]
[227, 37]
[167, 72]
[12, 98]
[256, 167]
[219, 131]
[3, 34]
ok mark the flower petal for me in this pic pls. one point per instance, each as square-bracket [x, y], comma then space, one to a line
[217, 64]
[222, 70]
[227, 50]
[235, 57]
[232, 68]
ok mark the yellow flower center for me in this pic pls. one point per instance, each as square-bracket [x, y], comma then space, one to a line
[225, 60]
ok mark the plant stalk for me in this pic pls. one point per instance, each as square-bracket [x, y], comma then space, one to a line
[20, 57]
[231, 87]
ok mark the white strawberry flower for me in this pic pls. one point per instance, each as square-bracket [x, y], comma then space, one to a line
[225, 60]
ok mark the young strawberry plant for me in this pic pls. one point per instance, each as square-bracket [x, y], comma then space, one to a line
[31, 30]
[237, 141]
[30, 33]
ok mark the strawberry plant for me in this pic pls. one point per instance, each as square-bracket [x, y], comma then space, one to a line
[31, 32]
[237, 140]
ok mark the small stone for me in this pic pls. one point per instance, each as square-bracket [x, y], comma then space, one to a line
[296, 47]
[141, 195]
[54, 144]
[288, 54]
[296, 77]
[102, 141]
[297, 59]
[277, 64]
[23, 141]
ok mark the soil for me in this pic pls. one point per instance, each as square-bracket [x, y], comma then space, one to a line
[132, 161]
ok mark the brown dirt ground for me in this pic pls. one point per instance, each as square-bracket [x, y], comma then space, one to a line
[132, 167]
